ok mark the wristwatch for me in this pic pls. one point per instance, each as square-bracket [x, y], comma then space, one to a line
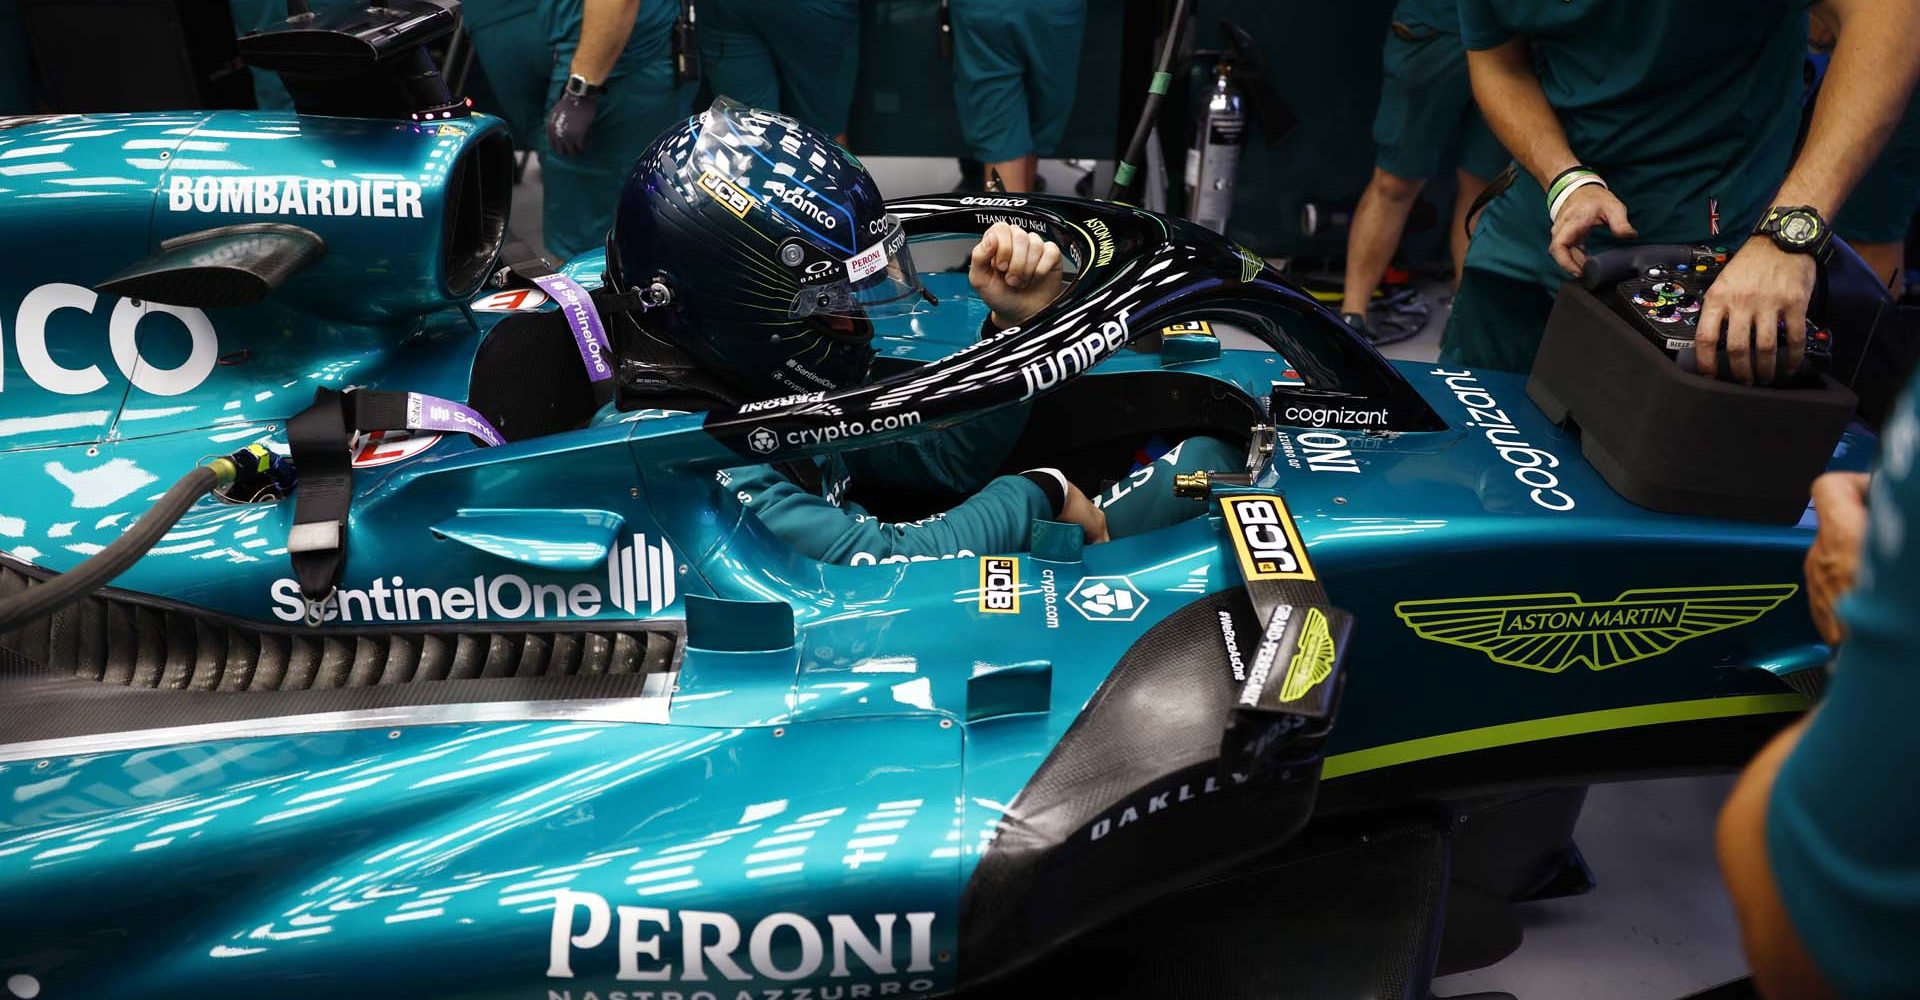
[578, 86]
[1797, 229]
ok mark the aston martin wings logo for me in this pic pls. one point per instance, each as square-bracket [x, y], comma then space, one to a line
[1312, 659]
[1551, 632]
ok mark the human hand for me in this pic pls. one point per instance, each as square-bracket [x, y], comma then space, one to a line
[1081, 511]
[1015, 272]
[1588, 206]
[1761, 287]
[568, 123]
[1840, 498]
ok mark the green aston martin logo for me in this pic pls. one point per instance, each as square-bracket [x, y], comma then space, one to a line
[1551, 632]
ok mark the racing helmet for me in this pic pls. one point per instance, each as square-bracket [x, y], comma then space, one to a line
[763, 249]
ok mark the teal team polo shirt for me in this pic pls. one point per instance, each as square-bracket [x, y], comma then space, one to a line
[1843, 824]
[1688, 109]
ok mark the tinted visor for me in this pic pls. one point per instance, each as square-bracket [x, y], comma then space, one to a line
[878, 281]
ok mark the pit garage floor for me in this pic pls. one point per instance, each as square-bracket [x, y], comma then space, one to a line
[1657, 927]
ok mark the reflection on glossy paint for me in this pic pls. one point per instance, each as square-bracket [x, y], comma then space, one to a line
[1372, 527]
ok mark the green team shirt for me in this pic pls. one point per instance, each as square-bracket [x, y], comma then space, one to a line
[1440, 15]
[1843, 823]
[1688, 109]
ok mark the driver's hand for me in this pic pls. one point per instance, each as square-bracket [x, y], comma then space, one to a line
[1081, 511]
[1761, 287]
[1015, 272]
[1841, 500]
[1586, 208]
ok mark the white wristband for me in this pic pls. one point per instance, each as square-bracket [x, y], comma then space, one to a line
[1553, 211]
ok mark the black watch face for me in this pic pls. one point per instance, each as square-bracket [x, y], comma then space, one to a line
[1799, 228]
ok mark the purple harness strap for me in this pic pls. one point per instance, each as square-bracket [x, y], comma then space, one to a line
[588, 334]
[431, 413]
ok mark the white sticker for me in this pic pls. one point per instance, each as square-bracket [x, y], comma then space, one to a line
[1676, 344]
[512, 300]
[377, 448]
[867, 262]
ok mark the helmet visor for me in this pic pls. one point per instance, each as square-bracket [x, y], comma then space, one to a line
[876, 282]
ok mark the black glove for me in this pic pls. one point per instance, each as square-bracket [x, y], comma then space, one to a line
[568, 123]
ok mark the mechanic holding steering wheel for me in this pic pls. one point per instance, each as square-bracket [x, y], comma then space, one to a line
[723, 218]
[1684, 114]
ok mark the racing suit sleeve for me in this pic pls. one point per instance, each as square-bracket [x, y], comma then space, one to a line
[958, 459]
[998, 518]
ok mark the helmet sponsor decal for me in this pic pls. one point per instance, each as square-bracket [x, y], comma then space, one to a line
[870, 261]
[999, 585]
[367, 199]
[727, 193]
[1551, 632]
[1265, 539]
[795, 196]
[511, 300]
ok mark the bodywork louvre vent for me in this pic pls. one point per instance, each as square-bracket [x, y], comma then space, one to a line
[117, 641]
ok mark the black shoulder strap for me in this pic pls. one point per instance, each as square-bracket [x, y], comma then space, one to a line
[321, 440]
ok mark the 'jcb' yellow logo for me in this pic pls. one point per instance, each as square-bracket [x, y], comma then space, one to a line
[1265, 540]
[726, 193]
[999, 585]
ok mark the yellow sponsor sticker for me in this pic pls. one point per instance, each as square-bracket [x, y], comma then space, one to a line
[999, 585]
[1191, 328]
[726, 193]
[1265, 539]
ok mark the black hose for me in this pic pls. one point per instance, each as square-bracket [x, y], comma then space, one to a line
[1150, 111]
[96, 570]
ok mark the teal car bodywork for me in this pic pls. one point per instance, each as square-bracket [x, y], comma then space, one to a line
[793, 797]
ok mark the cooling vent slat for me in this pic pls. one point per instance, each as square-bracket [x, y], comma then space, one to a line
[90, 646]
[402, 658]
[436, 654]
[150, 647]
[119, 642]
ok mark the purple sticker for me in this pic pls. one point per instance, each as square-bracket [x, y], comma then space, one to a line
[431, 413]
[588, 335]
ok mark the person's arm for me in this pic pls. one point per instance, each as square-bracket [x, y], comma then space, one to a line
[999, 518]
[957, 459]
[1782, 968]
[1833, 560]
[1875, 63]
[604, 27]
[1509, 94]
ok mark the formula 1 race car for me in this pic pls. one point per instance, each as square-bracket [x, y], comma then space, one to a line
[565, 721]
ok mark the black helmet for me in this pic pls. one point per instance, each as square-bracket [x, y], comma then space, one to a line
[771, 248]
